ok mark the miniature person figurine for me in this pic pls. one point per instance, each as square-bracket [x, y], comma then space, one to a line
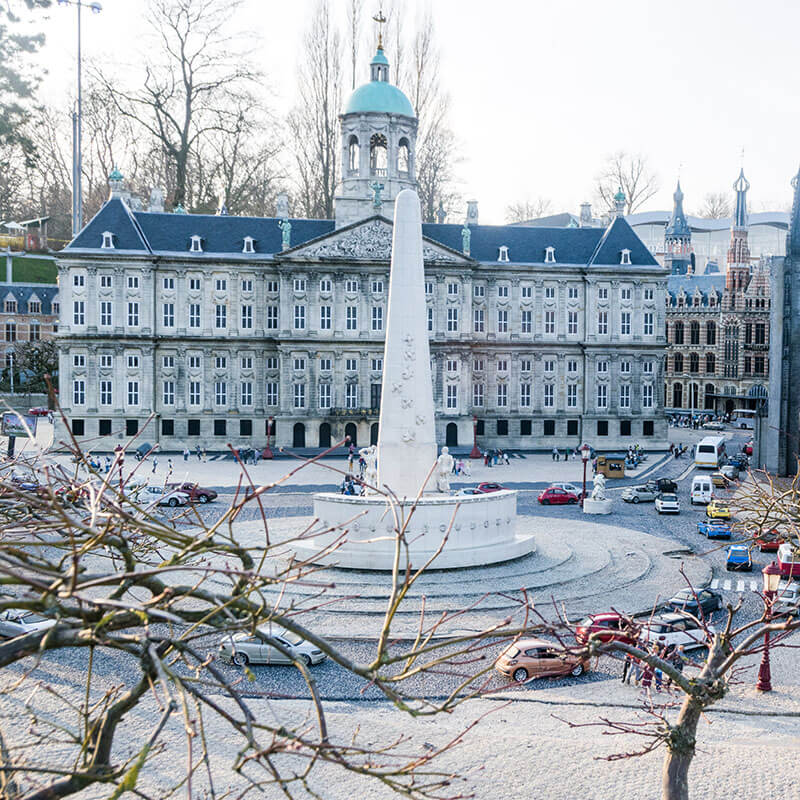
[377, 200]
[466, 235]
[286, 233]
[370, 455]
[599, 491]
[444, 466]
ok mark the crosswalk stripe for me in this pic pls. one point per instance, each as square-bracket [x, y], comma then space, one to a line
[715, 583]
[740, 586]
[726, 586]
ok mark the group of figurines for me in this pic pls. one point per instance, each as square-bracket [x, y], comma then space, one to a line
[368, 471]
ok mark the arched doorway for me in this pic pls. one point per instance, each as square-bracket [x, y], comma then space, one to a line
[373, 433]
[325, 435]
[677, 395]
[299, 435]
[710, 392]
[350, 430]
[729, 406]
[451, 435]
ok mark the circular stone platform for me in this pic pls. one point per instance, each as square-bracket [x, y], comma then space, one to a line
[476, 530]
[582, 566]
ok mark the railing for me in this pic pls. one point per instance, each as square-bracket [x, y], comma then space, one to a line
[353, 412]
[379, 172]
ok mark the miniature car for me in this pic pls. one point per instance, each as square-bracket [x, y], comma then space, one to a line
[738, 558]
[668, 504]
[639, 494]
[195, 492]
[38, 411]
[604, 627]
[155, 495]
[676, 629]
[16, 622]
[720, 480]
[243, 649]
[717, 509]
[486, 487]
[714, 529]
[769, 541]
[556, 496]
[538, 658]
[692, 601]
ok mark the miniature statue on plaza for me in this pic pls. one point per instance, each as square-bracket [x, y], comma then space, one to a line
[444, 468]
[599, 490]
[370, 456]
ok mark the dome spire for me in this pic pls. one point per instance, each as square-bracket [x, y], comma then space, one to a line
[381, 20]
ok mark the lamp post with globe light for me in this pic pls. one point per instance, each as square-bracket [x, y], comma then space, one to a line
[476, 453]
[267, 452]
[772, 577]
[77, 119]
[586, 451]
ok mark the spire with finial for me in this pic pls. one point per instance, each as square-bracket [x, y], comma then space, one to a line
[678, 236]
[738, 275]
[116, 182]
[619, 202]
[740, 187]
[381, 20]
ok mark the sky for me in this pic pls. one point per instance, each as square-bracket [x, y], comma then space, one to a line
[543, 92]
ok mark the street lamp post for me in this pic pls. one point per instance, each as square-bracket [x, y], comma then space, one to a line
[772, 576]
[585, 453]
[476, 453]
[267, 452]
[77, 119]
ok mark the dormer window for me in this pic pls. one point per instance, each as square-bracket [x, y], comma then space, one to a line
[248, 245]
[197, 244]
[503, 254]
[625, 257]
[549, 255]
[108, 241]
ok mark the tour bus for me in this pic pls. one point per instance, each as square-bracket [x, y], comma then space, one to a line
[710, 452]
[743, 418]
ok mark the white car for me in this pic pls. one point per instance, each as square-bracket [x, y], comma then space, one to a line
[157, 495]
[242, 649]
[567, 487]
[676, 629]
[15, 622]
[787, 599]
[668, 504]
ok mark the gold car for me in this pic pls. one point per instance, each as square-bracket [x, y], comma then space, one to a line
[537, 658]
[716, 509]
[719, 480]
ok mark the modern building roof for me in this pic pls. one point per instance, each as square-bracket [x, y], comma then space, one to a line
[146, 233]
[778, 219]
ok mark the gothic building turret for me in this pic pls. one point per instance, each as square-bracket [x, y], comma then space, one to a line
[739, 252]
[678, 238]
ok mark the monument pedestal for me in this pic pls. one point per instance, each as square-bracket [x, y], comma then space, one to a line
[597, 506]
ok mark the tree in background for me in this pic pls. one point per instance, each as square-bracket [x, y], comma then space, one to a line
[314, 123]
[35, 361]
[528, 209]
[632, 174]
[716, 205]
[354, 9]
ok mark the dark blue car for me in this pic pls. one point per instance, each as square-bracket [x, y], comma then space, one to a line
[714, 529]
[739, 558]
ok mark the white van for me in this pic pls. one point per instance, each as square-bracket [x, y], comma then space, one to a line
[702, 490]
[787, 598]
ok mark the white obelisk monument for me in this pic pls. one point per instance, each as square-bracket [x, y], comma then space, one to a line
[407, 433]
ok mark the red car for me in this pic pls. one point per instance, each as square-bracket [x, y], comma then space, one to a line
[606, 627]
[555, 495]
[487, 487]
[39, 411]
[769, 542]
[197, 494]
[748, 448]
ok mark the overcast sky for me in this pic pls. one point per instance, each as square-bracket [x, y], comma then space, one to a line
[542, 92]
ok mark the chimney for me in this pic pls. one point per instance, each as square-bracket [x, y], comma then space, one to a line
[586, 215]
[282, 206]
[472, 212]
[156, 201]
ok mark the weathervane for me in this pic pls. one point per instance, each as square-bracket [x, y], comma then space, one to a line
[380, 19]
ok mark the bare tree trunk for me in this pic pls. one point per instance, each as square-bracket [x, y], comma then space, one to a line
[680, 752]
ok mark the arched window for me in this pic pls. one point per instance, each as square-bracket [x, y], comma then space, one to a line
[353, 152]
[694, 363]
[678, 363]
[709, 393]
[711, 363]
[378, 154]
[711, 332]
[677, 396]
[403, 158]
[694, 333]
[678, 333]
[694, 395]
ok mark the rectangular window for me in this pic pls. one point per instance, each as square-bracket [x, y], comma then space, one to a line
[429, 287]
[572, 427]
[133, 315]
[193, 427]
[477, 394]
[525, 427]
[351, 364]
[79, 312]
[133, 393]
[133, 362]
[133, 281]
[572, 395]
[169, 315]
[247, 285]
[247, 317]
[377, 318]
[502, 365]
[220, 427]
[572, 322]
[272, 318]
[549, 292]
[79, 360]
[106, 313]
[194, 393]
[300, 318]
[452, 396]
[220, 362]
[78, 392]
[34, 307]
[648, 293]
[647, 367]
[647, 395]
[106, 361]
[525, 292]
[602, 395]
[502, 290]
[168, 283]
[299, 393]
[525, 395]
[647, 324]
[377, 287]
[502, 321]
[648, 428]
[325, 286]
[478, 323]
[195, 362]
[351, 286]
[246, 362]
[452, 320]
[106, 282]
[548, 427]
[325, 365]
[325, 396]
[351, 318]
[246, 393]
[549, 395]
[502, 395]
[602, 293]
[273, 287]
[194, 284]
[549, 321]
[624, 427]
[625, 323]
[625, 295]
[525, 365]
[220, 316]
[478, 365]
[625, 396]
[272, 362]
[78, 280]
[299, 285]
[479, 290]
[452, 289]
[325, 318]
[221, 285]
[452, 365]
[549, 366]
[602, 367]
[271, 393]
[572, 366]
[221, 393]
[194, 315]
[168, 394]
[377, 365]
[602, 322]
[245, 427]
[299, 364]
[572, 293]
[104, 427]
[602, 427]
[625, 367]
[430, 319]
[502, 427]
[526, 321]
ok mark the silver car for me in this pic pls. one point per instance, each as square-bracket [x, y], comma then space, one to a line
[668, 504]
[243, 649]
[15, 622]
[639, 494]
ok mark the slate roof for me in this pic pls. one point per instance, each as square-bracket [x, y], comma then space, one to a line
[22, 294]
[164, 233]
[689, 283]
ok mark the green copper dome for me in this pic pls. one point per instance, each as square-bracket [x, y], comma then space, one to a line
[115, 175]
[379, 95]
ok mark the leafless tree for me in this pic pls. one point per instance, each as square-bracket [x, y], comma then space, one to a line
[632, 174]
[716, 205]
[528, 209]
[314, 123]
[354, 11]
